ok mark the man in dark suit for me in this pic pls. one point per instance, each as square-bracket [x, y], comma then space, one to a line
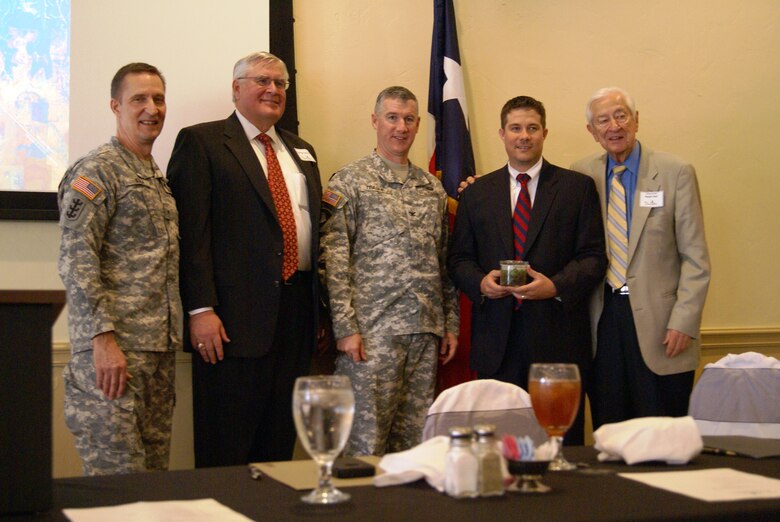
[545, 320]
[249, 195]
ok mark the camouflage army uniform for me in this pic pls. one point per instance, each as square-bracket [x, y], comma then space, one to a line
[119, 259]
[383, 262]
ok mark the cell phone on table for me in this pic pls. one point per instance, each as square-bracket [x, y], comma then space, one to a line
[350, 467]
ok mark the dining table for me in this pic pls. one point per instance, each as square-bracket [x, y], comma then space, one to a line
[595, 491]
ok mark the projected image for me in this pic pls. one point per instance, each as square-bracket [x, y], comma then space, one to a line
[34, 91]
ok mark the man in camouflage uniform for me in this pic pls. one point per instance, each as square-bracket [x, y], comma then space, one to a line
[383, 261]
[119, 260]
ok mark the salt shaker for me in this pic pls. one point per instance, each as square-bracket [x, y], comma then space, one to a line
[460, 468]
[489, 480]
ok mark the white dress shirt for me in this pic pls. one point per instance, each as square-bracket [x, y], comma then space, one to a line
[296, 186]
[514, 185]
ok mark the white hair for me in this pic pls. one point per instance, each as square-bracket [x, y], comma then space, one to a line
[603, 93]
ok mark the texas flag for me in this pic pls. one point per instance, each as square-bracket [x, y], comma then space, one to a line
[451, 156]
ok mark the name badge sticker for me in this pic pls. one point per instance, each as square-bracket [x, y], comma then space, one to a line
[652, 199]
[305, 155]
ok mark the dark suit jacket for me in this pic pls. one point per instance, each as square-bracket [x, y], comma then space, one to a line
[231, 242]
[565, 242]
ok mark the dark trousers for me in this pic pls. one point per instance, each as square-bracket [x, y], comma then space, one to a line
[622, 386]
[514, 369]
[242, 407]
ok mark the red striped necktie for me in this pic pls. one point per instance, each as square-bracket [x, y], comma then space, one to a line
[520, 219]
[521, 216]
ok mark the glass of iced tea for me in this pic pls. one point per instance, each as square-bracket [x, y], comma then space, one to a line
[555, 397]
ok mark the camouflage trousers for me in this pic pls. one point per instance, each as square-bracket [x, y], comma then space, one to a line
[131, 433]
[393, 391]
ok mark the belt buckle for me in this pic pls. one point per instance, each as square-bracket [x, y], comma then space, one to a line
[623, 290]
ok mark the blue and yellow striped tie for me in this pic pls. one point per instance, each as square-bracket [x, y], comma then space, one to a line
[617, 230]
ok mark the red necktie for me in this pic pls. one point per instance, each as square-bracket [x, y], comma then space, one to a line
[521, 216]
[283, 209]
[520, 219]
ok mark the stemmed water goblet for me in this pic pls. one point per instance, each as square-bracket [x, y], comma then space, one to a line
[323, 407]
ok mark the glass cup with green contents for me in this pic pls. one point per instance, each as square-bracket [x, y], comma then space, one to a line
[514, 273]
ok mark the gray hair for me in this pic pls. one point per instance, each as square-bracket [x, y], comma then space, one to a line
[603, 93]
[265, 58]
[261, 57]
[396, 92]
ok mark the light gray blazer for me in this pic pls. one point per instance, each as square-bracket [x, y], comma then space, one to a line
[668, 264]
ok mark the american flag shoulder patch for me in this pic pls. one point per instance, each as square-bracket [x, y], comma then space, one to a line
[331, 198]
[87, 187]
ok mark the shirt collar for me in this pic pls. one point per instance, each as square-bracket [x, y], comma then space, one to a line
[532, 172]
[143, 168]
[387, 173]
[252, 131]
[631, 163]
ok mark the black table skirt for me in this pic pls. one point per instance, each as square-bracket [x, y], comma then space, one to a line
[594, 494]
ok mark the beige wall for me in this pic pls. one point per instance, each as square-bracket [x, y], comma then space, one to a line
[704, 75]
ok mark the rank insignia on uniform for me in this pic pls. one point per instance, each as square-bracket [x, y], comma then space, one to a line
[331, 198]
[84, 185]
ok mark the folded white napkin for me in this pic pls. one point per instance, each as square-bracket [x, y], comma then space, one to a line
[425, 460]
[745, 360]
[673, 440]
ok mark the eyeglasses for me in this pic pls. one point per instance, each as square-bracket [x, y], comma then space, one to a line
[265, 81]
[621, 118]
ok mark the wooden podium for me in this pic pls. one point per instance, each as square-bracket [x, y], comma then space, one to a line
[26, 319]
